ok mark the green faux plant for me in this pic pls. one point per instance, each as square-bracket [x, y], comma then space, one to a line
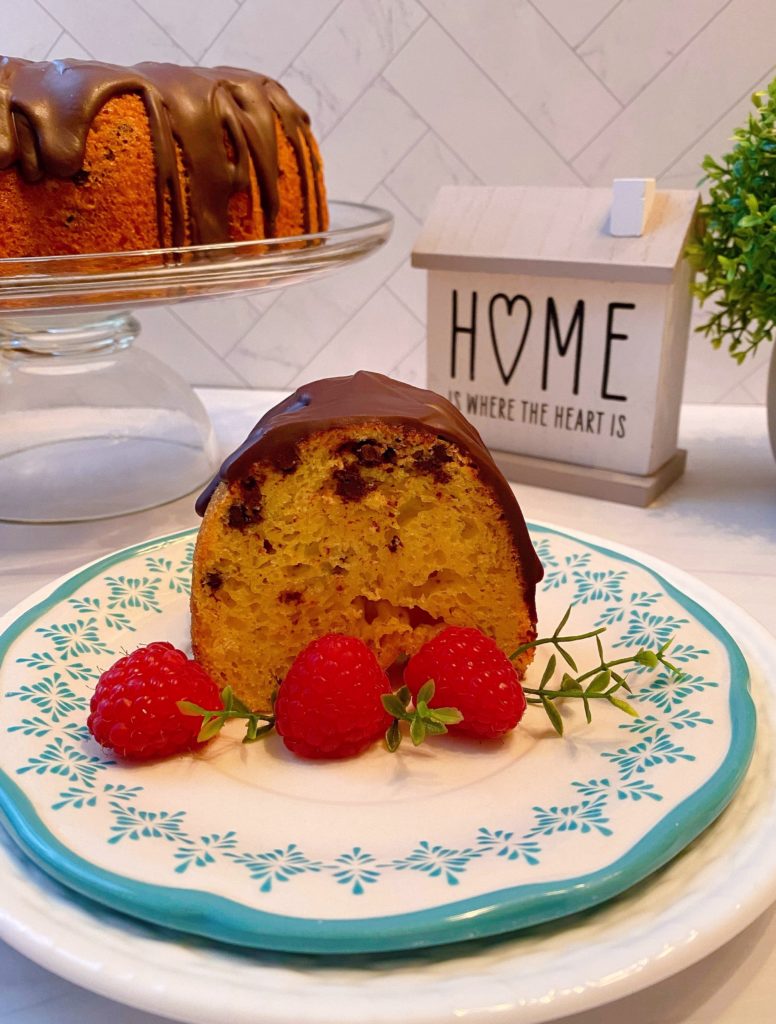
[735, 252]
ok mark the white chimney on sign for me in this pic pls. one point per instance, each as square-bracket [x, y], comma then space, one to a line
[632, 200]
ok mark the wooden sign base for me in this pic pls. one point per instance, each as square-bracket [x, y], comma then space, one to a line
[626, 488]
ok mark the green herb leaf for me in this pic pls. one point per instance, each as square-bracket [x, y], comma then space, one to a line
[448, 716]
[417, 731]
[404, 695]
[568, 683]
[623, 705]
[588, 713]
[237, 705]
[393, 705]
[434, 728]
[256, 732]
[647, 658]
[393, 736]
[425, 693]
[554, 715]
[563, 621]
[187, 708]
[568, 659]
[549, 671]
[600, 682]
[210, 728]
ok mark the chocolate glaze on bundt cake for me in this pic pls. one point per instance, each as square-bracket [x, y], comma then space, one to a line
[359, 505]
[100, 158]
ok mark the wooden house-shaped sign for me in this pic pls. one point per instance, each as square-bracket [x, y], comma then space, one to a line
[563, 342]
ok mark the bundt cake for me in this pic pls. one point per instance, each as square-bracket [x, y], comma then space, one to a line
[100, 158]
[359, 505]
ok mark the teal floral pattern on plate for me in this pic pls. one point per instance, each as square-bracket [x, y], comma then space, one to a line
[250, 845]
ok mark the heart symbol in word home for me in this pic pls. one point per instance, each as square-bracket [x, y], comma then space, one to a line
[516, 318]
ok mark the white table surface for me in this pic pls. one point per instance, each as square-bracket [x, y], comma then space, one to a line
[718, 523]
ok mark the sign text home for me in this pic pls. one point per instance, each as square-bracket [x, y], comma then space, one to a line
[558, 340]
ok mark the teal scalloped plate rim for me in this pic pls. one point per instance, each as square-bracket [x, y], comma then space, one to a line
[508, 909]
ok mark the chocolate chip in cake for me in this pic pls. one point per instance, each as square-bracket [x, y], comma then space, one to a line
[269, 547]
[369, 454]
[432, 462]
[290, 597]
[394, 544]
[214, 580]
[441, 454]
[80, 177]
[286, 459]
[339, 570]
[368, 451]
[350, 485]
[241, 515]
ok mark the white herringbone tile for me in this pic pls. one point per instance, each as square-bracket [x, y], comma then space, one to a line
[575, 19]
[662, 27]
[422, 172]
[193, 26]
[67, 47]
[685, 171]
[28, 31]
[378, 337]
[408, 284]
[267, 35]
[220, 324]
[533, 66]
[119, 32]
[471, 115]
[412, 368]
[678, 106]
[305, 318]
[710, 373]
[756, 382]
[356, 156]
[341, 60]
[170, 340]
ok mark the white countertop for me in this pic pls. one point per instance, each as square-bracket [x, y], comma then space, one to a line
[717, 523]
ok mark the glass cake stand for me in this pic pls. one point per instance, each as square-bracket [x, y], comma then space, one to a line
[91, 426]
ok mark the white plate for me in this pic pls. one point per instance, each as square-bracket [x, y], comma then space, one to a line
[453, 841]
[689, 909]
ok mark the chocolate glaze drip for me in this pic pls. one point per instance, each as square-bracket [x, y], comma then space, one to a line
[364, 398]
[47, 109]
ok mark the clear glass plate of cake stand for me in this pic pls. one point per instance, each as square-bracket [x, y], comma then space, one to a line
[91, 426]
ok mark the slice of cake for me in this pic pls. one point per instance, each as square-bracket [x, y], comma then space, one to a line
[359, 505]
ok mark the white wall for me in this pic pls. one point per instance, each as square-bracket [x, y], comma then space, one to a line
[406, 95]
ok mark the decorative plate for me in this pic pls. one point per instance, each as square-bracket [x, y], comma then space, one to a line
[445, 842]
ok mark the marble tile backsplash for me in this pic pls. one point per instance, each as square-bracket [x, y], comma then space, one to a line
[408, 95]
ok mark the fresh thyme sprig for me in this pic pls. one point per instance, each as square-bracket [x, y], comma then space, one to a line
[214, 721]
[424, 721]
[604, 678]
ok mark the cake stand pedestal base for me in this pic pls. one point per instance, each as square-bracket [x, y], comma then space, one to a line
[91, 427]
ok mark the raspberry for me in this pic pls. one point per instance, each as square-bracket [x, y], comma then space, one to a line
[471, 673]
[328, 705]
[134, 710]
